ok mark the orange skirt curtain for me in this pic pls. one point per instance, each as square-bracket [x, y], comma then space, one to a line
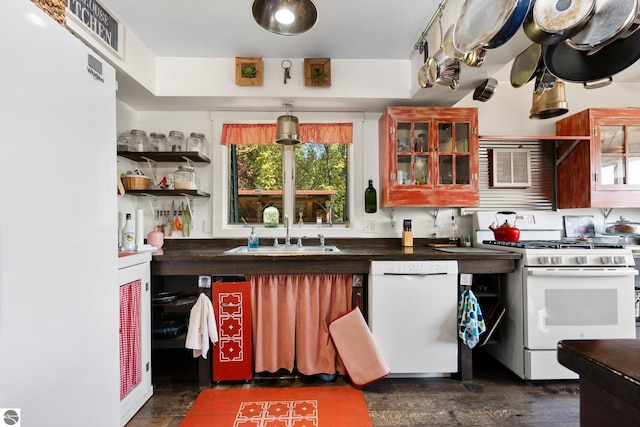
[265, 133]
[290, 319]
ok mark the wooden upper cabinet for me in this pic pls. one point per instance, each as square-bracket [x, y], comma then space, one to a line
[602, 171]
[429, 157]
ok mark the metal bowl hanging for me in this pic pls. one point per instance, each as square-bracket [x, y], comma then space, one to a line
[485, 90]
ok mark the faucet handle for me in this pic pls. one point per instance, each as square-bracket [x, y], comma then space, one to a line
[299, 244]
[321, 237]
[275, 242]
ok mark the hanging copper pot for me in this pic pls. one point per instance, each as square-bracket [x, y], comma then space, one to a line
[549, 103]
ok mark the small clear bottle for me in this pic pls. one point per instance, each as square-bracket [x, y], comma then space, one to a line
[128, 235]
[453, 231]
[185, 178]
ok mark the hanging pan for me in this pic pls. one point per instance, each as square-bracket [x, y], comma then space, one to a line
[426, 73]
[553, 21]
[485, 91]
[526, 65]
[511, 25]
[480, 21]
[612, 19]
[593, 70]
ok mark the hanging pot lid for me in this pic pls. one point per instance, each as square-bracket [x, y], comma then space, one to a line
[611, 19]
[552, 21]
[575, 65]
[548, 104]
[479, 21]
[526, 65]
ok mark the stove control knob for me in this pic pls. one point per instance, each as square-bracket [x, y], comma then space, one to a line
[581, 260]
[607, 259]
[556, 260]
[544, 260]
[619, 260]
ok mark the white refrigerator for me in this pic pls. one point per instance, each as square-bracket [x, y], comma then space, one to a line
[59, 362]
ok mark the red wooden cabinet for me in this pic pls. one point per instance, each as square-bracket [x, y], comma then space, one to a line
[603, 170]
[429, 156]
[232, 355]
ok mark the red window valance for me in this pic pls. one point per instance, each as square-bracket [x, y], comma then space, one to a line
[265, 133]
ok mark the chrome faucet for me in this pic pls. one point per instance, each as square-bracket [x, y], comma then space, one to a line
[287, 239]
[321, 237]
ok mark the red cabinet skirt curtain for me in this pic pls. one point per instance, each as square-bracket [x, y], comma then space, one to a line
[130, 372]
[291, 316]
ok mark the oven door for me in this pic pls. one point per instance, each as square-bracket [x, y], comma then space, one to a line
[577, 303]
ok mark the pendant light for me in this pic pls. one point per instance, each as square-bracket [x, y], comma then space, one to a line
[287, 128]
[285, 17]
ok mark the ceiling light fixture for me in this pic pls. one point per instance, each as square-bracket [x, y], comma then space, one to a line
[287, 128]
[285, 17]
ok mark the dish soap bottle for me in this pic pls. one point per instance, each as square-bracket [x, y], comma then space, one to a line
[270, 216]
[253, 239]
[370, 202]
[128, 235]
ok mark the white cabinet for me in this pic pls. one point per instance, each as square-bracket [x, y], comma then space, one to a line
[134, 286]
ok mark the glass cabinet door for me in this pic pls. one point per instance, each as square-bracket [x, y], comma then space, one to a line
[619, 155]
[412, 153]
[454, 156]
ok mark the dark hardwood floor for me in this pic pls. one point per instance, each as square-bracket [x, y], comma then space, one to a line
[495, 397]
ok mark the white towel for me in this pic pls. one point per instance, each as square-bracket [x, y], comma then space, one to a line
[202, 327]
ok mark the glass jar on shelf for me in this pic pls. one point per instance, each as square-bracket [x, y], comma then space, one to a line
[157, 141]
[185, 178]
[197, 142]
[176, 141]
[139, 141]
[125, 142]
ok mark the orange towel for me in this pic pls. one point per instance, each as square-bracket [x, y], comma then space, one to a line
[353, 340]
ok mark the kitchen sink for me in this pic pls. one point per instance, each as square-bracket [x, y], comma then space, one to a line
[284, 250]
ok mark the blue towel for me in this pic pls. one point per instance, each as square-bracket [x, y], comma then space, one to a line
[470, 317]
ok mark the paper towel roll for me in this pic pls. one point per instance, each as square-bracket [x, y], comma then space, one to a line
[139, 227]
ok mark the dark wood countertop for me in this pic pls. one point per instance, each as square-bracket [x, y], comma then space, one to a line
[609, 372]
[207, 256]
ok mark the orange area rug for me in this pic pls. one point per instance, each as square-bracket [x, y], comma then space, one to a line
[329, 406]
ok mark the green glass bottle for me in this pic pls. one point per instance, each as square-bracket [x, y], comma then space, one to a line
[370, 198]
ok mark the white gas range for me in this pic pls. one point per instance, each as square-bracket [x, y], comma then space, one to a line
[560, 289]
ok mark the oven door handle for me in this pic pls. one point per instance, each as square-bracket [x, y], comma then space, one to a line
[590, 272]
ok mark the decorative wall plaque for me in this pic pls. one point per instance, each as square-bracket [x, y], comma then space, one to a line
[317, 72]
[248, 71]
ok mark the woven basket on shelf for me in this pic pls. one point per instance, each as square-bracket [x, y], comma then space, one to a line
[55, 8]
[135, 182]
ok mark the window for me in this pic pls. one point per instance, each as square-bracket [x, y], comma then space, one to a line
[259, 167]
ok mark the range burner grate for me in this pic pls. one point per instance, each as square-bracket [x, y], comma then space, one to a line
[554, 244]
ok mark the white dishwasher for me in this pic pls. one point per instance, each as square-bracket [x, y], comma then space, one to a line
[413, 316]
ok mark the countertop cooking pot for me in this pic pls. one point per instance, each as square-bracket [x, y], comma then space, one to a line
[505, 232]
[622, 226]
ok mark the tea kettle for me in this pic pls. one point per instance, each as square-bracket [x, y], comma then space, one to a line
[506, 232]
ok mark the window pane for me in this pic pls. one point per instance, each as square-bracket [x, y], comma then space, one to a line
[255, 181]
[612, 170]
[634, 171]
[462, 169]
[612, 139]
[634, 139]
[321, 182]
